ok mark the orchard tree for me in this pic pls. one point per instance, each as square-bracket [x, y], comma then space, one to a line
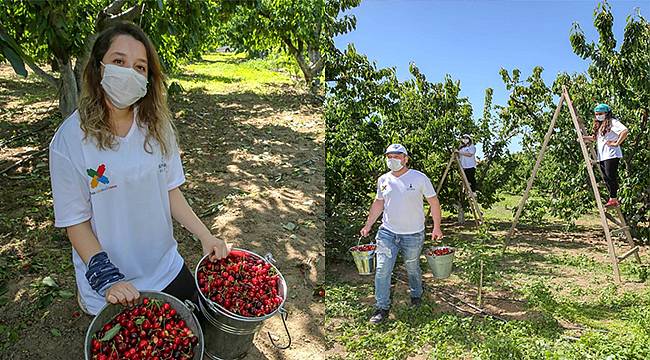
[303, 29]
[61, 33]
[621, 78]
[617, 77]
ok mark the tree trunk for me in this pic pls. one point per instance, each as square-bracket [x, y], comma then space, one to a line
[461, 213]
[311, 67]
[68, 92]
[80, 62]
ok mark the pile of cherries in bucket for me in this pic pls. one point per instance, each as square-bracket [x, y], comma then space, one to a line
[241, 283]
[439, 252]
[367, 247]
[152, 330]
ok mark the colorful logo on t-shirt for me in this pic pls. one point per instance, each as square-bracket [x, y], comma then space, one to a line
[97, 176]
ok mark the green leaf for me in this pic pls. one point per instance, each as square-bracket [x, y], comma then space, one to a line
[290, 226]
[48, 281]
[15, 60]
[55, 332]
[66, 294]
[111, 333]
[139, 320]
[160, 5]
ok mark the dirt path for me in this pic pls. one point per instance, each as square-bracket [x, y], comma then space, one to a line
[255, 168]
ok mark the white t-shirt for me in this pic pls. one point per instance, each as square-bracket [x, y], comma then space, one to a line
[124, 193]
[467, 161]
[403, 207]
[605, 151]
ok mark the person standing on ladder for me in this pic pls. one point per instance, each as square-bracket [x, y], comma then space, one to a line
[399, 198]
[467, 153]
[609, 134]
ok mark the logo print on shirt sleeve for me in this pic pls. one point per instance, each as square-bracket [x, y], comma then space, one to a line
[97, 176]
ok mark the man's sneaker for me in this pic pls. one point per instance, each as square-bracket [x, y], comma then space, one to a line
[612, 203]
[416, 301]
[379, 316]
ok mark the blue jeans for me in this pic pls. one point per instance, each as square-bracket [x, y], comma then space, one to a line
[388, 246]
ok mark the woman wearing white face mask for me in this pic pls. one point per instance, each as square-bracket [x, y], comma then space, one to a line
[467, 153]
[116, 171]
[609, 134]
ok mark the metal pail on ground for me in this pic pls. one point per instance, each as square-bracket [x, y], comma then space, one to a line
[230, 336]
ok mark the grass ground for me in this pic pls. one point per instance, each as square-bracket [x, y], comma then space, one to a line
[251, 145]
[550, 296]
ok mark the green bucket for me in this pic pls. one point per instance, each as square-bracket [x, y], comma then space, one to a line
[441, 265]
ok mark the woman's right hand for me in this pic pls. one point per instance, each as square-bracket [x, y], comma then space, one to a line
[122, 292]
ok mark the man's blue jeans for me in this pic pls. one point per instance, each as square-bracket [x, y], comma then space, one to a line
[388, 246]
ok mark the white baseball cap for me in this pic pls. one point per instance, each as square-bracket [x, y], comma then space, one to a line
[396, 149]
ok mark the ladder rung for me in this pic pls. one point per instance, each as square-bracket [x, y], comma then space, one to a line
[628, 253]
[619, 230]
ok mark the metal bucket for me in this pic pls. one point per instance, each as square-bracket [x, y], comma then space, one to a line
[366, 261]
[441, 265]
[229, 336]
[184, 309]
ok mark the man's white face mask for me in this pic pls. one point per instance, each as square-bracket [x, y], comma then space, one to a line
[394, 164]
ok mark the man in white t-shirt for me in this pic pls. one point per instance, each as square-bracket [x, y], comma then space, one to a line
[399, 198]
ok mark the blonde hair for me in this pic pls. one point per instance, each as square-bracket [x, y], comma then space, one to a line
[153, 112]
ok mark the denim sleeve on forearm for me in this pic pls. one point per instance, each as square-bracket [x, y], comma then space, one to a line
[102, 273]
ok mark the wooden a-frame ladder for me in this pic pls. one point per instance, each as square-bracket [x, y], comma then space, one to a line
[473, 204]
[590, 158]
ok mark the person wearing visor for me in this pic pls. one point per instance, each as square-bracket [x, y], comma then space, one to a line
[467, 154]
[609, 134]
[399, 197]
[115, 172]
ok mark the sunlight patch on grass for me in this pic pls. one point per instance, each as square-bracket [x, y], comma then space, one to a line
[224, 73]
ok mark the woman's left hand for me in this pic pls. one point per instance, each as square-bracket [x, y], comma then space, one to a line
[217, 248]
[612, 143]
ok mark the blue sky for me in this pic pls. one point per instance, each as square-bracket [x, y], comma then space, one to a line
[472, 40]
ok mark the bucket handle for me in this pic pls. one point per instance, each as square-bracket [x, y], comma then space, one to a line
[359, 241]
[283, 315]
[190, 306]
[269, 257]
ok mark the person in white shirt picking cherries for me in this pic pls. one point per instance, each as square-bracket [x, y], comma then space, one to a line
[116, 173]
[399, 198]
[609, 134]
[467, 155]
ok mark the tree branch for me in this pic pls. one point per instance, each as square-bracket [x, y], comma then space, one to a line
[107, 15]
[526, 107]
[113, 6]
